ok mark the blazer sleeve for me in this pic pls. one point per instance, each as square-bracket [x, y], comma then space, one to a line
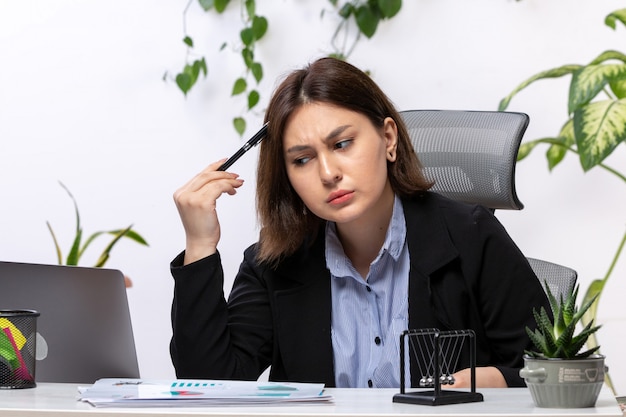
[485, 283]
[213, 339]
[506, 293]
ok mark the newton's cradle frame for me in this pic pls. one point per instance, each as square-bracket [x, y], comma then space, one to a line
[440, 352]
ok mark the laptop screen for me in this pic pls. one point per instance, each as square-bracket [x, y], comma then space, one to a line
[84, 328]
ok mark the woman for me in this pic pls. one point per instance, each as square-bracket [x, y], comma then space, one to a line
[353, 249]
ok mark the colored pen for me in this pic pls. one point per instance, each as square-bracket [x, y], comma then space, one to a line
[254, 140]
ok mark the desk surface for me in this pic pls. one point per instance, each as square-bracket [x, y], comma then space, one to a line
[56, 400]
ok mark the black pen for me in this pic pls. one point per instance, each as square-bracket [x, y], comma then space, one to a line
[254, 140]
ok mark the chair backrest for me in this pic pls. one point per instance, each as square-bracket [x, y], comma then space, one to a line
[560, 279]
[470, 154]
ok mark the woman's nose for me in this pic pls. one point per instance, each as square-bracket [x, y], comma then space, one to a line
[329, 170]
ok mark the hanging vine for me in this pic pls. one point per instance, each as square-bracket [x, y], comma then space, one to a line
[366, 14]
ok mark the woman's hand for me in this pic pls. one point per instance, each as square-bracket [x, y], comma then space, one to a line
[486, 377]
[196, 204]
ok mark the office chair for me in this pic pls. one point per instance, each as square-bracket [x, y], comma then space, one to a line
[471, 156]
[560, 279]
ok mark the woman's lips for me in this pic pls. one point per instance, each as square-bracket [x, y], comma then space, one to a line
[339, 197]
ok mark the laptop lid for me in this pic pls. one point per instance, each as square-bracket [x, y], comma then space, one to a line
[84, 323]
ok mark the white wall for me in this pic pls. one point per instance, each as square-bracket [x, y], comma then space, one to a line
[82, 101]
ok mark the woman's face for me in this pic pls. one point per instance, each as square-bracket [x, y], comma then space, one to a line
[336, 161]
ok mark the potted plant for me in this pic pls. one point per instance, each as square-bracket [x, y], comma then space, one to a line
[559, 373]
[593, 130]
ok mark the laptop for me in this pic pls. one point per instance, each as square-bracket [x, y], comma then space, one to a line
[84, 328]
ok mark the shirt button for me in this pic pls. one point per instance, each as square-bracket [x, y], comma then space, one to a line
[377, 340]
[369, 289]
[370, 383]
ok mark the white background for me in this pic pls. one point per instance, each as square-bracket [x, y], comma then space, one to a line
[83, 101]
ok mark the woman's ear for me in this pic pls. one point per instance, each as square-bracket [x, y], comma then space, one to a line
[390, 134]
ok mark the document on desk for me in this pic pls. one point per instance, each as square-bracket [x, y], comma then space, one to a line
[129, 392]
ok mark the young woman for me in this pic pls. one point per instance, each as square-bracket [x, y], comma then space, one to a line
[353, 250]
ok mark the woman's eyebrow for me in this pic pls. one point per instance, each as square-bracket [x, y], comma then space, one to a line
[297, 148]
[336, 132]
[330, 137]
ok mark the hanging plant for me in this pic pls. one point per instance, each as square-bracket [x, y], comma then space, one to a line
[366, 14]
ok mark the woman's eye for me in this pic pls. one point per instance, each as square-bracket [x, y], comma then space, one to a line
[301, 161]
[343, 144]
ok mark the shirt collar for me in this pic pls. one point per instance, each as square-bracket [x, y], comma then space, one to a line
[336, 260]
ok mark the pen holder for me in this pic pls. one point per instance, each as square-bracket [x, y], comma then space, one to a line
[18, 330]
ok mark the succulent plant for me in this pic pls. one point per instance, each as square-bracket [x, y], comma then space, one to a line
[557, 339]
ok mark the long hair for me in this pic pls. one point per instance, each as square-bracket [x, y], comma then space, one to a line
[285, 221]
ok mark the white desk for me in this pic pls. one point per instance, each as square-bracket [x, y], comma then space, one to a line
[59, 400]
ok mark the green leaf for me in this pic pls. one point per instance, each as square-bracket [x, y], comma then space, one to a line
[560, 145]
[338, 55]
[593, 292]
[247, 36]
[608, 55]
[250, 7]
[253, 99]
[346, 10]
[56, 245]
[199, 65]
[74, 256]
[206, 4]
[259, 27]
[87, 243]
[586, 306]
[193, 71]
[186, 79]
[366, 20]
[599, 127]
[220, 5]
[618, 87]
[389, 8]
[537, 340]
[248, 56]
[588, 81]
[555, 155]
[117, 235]
[239, 86]
[568, 310]
[76, 213]
[184, 83]
[257, 71]
[551, 73]
[526, 148]
[240, 125]
[128, 233]
[188, 41]
[76, 251]
[133, 235]
[104, 256]
[617, 15]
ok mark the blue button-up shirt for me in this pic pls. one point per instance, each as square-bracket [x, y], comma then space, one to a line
[368, 315]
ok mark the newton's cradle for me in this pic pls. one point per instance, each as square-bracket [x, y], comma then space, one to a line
[437, 355]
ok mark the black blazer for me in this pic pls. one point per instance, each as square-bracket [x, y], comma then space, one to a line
[466, 273]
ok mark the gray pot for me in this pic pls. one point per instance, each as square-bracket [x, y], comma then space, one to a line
[564, 383]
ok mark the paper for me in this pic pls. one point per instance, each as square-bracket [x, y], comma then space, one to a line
[124, 392]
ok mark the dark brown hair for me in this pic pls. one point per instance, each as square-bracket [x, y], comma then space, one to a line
[285, 221]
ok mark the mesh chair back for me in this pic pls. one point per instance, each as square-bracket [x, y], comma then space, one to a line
[560, 279]
[470, 155]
